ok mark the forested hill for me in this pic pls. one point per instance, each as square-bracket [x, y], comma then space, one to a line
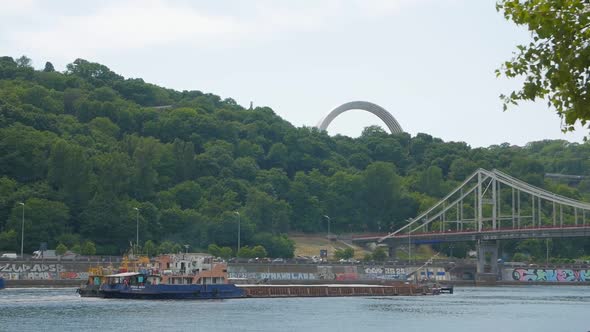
[83, 148]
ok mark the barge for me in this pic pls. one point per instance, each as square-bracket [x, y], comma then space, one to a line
[335, 290]
[197, 277]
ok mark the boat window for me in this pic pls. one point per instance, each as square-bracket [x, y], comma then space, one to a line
[140, 279]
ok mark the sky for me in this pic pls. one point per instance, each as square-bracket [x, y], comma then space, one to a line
[430, 63]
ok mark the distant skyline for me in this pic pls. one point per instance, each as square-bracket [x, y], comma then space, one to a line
[428, 62]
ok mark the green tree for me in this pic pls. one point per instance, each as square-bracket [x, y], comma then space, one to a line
[44, 220]
[276, 246]
[8, 67]
[278, 155]
[259, 251]
[226, 252]
[520, 257]
[379, 254]
[166, 247]
[269, 213]
[77, 248]
[24, 62]
[214, 250]
[48, 67]
[431, 182]
[69, 172]
[382, 193]
[554, 65]
[245, 252]
[88, 248]
[69, 239]
[95, 73]
[8, 240]
[61, 249]
[347, 253]
[150, 248]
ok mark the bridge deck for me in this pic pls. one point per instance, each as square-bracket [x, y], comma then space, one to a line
[486, 234]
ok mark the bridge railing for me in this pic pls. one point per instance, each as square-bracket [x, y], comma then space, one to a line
[487, 187]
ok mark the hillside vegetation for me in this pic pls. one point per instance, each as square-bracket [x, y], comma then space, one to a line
[85, 147]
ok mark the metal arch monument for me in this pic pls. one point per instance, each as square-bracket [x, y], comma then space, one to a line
[379, 111]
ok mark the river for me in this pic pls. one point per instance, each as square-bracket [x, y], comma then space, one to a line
[519, 308]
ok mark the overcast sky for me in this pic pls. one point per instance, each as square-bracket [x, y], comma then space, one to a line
[428, 62]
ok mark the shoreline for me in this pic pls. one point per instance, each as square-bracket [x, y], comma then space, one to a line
[455, 283]
[42, 283]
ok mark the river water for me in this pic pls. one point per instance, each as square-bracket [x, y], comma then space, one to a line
[524, 308]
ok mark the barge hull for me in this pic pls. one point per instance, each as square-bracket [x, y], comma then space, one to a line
[172, 292]
[265, 291]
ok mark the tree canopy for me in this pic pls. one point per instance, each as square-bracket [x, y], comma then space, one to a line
[555, 65]
[82, 149]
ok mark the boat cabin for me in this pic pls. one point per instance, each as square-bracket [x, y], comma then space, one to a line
[217, 275]
[133, 279]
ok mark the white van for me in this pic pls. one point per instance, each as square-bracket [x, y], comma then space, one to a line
[9, 255]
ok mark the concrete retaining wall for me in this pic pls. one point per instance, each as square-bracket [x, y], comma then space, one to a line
[78, 270]
[47, 270]
[308, 272]
[546, 274]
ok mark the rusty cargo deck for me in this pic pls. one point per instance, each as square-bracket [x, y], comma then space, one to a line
[333, 290]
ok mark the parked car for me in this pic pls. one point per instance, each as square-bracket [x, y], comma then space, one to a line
[302, 259]
[278, 261]
[45, 254]
[9, 255]
[350, 260]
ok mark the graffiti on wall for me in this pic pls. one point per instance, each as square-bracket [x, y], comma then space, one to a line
[38, 272]
[30, 267]
[73, 275]
[386, 273]
[551, 275]
[349, 273]
[326, 273]
[273, 275]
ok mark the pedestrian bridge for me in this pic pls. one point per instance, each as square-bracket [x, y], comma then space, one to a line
[471, 235]
[487, 207]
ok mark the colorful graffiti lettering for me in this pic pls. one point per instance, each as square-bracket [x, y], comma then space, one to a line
[347, 276]
[550, 275]
[30, 268]
[73, 275]
[273, 275]
[27, 271]
[384, 273]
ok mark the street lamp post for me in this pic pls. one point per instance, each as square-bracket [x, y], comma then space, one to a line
[137, 228]
[22, 232]
[239, 231]
[409, 247]
[409, 241]
[328, 225]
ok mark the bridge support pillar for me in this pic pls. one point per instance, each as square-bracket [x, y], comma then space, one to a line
[487, 262]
